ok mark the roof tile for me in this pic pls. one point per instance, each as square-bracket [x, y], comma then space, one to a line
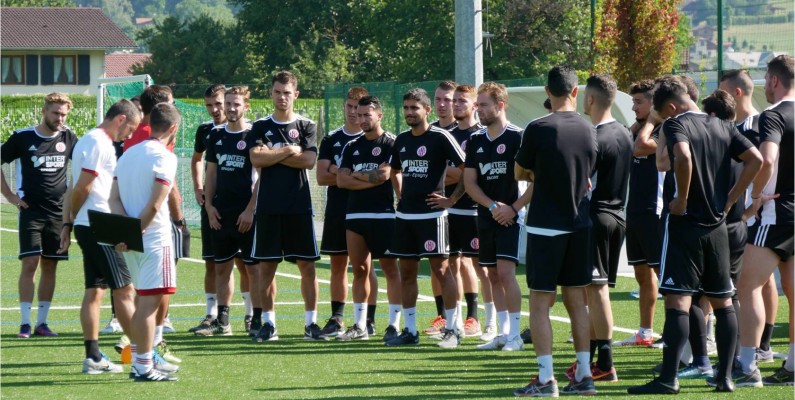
[60, 27]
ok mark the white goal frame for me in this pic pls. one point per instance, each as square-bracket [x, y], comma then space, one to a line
[145, 80]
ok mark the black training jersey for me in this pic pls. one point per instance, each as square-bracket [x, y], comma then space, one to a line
[422, 161]
[283, 189]
[448, 128]
[712, 142]
[202, 138]
[560, 148]
[610, 180]
[465, 205]
[493, 161]
[235, 177]
[750, 129]
[645, 182]
[331, 149]
[776, 125]
[362, 155]
[41, 166]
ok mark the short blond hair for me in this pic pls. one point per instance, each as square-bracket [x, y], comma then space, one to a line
[57, 98]
[496, 90]
[240, 91]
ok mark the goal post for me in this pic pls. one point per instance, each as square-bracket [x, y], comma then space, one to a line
[123, 87]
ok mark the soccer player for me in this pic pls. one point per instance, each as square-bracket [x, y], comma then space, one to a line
[643, 211]
[695, 254]
[610, 182]
[93, 166]
[443, 106]
[333, 241]
[770, 232]
[284, 229]
[229, 203]
[370, 216]
[489, 180]
[558, 154]
[740, 86]
[144, 176]
[420, 157]
[41, 153]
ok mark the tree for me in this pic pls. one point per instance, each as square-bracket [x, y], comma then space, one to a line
[634, 39]
[207, 51]
[119, 11]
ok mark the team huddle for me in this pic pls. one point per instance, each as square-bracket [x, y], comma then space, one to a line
[703, 199]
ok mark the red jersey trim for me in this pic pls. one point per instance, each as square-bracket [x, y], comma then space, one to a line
[152, 292]
[90, 171]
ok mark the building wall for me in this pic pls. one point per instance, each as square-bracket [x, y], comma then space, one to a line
[96, 71]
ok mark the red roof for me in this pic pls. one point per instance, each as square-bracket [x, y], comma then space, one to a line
[119, 64]
[60, 28]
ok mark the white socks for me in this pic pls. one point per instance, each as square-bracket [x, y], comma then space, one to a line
[394, 315]
[247, 303]
[789, 365]
[490, 312]
[503, 322]
[748, 359]
[360, 315]
[212, 304]
[583, 365]
[410, 317]
[44, 309]
[513, 320]
[269, 317]
[449, 315]
[310, 317]
[158, 335]
[24, 310]
[545, 372]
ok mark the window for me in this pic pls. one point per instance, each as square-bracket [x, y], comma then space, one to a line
[64, 70]
[13, 70]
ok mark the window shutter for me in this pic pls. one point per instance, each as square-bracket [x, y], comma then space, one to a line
[84, 69]
[32, 69]
[47, 77]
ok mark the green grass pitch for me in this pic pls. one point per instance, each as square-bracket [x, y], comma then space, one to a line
[234, 367]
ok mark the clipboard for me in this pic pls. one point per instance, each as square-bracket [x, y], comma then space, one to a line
[112, 229]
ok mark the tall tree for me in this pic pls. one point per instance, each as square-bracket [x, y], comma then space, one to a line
[635, 39]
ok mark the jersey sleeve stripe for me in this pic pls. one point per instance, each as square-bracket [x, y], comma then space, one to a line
[90, 171]
[163, 181]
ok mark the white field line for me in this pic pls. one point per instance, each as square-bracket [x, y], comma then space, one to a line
[420, 297]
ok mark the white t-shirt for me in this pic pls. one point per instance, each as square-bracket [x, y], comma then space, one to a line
[141, 167]
[94, 153]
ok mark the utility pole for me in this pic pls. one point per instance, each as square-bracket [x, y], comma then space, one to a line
[468, 42]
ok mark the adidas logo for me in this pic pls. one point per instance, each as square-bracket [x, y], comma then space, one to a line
[218, 143]
[606, 347]
[387, 252]
[480, 150]
[268, 133]
[337, 144]
[356, 153]
[208, 136]
[669, 281]
[32, 148]
[403, 150]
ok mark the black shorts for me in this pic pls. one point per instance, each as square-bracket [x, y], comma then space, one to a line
[228, 243]
[498, 242]
[695, 259]
[207, 236]
[463, 232]
[643, 239]
[288, 237]
[180, 236]
[40, 235]
[377, 233]
[607, 236]
[417, 238]
[562, 260]
[738, 236]
[778, 238]
[333, 242]
[103, 266]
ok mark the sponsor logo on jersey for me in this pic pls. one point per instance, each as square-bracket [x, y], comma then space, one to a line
[464, 145]
[421, 151]
[229, 162]
[475, 244]
[48, 163]
[480, 150]
[241, 145]
[415, 166]
[60, 147]
[268, 133]
[494, 169]
[293, 133]
[430, 245]
[337, 160]
[376, 151]
[501, 148]
[364, 167]
[669, 281]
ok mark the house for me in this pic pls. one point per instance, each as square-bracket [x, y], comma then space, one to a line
[120, 64]
[49, 49]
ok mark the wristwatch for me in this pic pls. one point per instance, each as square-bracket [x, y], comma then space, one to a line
[180, 223]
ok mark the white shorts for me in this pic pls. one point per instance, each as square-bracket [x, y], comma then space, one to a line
[153, 271]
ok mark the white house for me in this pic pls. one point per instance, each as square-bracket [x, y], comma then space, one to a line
[49, 49]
